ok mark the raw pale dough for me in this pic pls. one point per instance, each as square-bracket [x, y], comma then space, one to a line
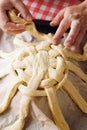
[29, 26]
[34, 74]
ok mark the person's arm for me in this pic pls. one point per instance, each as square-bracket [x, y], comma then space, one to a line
[74, 17]
[5, 24]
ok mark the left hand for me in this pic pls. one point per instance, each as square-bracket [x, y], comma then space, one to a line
[5, 23]
[74, 17]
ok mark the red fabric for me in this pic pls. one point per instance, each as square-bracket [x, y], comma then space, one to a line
[47, 9]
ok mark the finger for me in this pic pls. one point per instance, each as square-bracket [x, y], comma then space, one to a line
[14, 31]
[23, 10]
[64, 25]
[79, 38]
[13, 26]
[57, 18]
[75, 28]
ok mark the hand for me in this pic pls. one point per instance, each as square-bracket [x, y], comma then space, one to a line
[5, 24]
[74, 17]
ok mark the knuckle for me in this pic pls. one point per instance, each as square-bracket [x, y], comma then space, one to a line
[63, 27]
[76, 15]
[76, 24]
[72, 14]
[68, 10]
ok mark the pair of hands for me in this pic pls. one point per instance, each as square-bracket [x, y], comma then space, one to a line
[74, 17]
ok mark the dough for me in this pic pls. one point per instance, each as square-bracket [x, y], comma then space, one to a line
[33, 75]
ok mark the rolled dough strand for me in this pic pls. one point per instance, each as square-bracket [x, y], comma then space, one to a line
[24, 64]
[44, 45]
[22, 53]
[55, 109]
[10, 94]
[74, 94]
[39, 68]
[24, 109]
[53, 53]
[32, 50]
[49, 82]
[23, 113]
[41, 36]
[58, 73]
[62, 69]
[19, 64]
[62, 82]
[19, 124]
[77, 71]
[52, 82]
[59, 48]
[61, 65]
[31, 92]
[23, 75]
[76, 56]
[29, 26]
[52, 62]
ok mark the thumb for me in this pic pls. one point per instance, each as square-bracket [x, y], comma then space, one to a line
[19, 5]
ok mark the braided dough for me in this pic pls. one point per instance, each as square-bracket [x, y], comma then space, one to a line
[40, 70]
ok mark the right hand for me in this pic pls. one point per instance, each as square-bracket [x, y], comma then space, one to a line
[5, 24]
[75, 18]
